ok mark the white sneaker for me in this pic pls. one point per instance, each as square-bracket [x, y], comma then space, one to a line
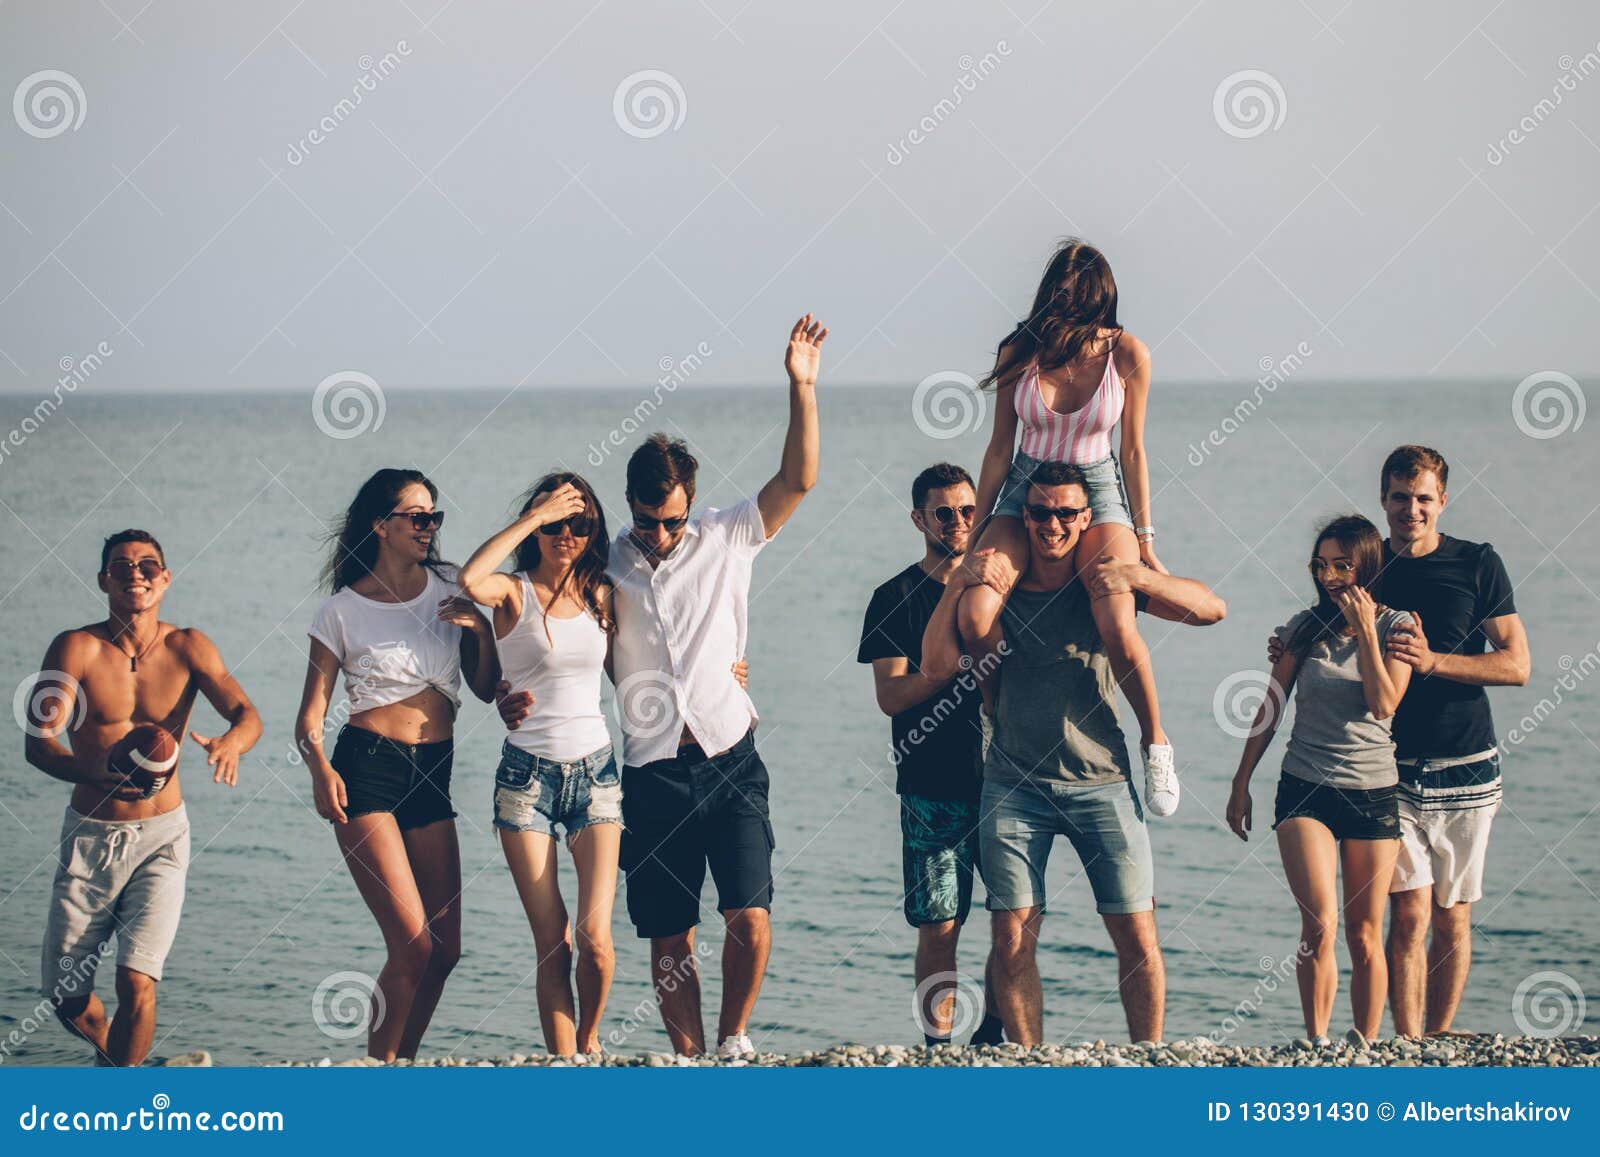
[1160, 779]
[736, 1048]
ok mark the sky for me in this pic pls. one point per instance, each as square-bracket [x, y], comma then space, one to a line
[235, 197]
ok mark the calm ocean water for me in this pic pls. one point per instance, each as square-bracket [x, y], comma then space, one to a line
[238, 484]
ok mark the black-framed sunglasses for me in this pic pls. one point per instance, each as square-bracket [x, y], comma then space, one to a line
[422, 519]
[581, 526]
[947, 514]
[1344, 568]
[650, 522]
[1042, 514]
[122, 569]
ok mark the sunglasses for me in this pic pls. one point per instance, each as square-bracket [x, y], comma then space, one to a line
[422, 519]
[670, 525]
[1343, 568]
[1043, 514]
[947, 514]
[581, 526]
[122, 569]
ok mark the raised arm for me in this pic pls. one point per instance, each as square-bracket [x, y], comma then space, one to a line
[225, 695]
[1383, 680]
[797, 473]
[1180, 600]
[481, 577]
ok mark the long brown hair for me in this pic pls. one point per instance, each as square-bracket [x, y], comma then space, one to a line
[1362, 541]
[588, 571]
[1077, 298]
[355, 546]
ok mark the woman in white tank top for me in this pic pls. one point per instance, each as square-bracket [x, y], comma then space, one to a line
[553, 629]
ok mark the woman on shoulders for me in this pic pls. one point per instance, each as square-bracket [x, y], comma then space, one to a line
[1068, 376]
[1336, 808]
[396, 625]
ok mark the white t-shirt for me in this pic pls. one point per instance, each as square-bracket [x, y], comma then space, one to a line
[391, 651]
[680, 626]
[560, 661]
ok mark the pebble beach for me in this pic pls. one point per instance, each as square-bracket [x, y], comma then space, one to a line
[1486, 1051]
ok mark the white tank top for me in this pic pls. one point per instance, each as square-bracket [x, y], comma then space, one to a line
[563, 671]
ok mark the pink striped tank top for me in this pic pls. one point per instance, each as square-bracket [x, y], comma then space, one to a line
[1084, 435]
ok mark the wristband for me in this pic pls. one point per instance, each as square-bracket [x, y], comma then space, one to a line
[1144, 532]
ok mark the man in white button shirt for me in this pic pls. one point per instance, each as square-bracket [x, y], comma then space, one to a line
[694, 789]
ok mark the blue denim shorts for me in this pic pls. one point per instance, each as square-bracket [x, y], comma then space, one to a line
[1108, 499]
[1105, 823]
[532, 794]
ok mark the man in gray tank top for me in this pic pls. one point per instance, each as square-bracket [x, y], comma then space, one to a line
[1058, 763]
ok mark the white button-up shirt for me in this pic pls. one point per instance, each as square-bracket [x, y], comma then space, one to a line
[680, 627]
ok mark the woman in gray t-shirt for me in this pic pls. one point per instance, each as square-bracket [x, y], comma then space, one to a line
[1336, 809]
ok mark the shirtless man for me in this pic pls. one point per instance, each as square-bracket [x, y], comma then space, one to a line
[123, 859]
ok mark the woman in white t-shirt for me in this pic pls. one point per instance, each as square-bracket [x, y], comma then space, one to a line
[399, 629]
[553, 627]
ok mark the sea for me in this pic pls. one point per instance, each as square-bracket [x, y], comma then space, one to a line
[241, 489]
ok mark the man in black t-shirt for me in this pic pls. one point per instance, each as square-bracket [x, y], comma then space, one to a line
[1470, 638]
[937, 744]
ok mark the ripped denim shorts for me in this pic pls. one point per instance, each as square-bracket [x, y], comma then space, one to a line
[534, 794]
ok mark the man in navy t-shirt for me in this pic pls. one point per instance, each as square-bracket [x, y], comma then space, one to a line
[937, 747]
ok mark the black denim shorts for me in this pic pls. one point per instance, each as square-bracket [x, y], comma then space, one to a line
[409, 780]
[1349, 813]
[685, 814]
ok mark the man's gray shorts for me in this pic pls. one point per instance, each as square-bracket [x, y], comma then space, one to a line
[114, 878]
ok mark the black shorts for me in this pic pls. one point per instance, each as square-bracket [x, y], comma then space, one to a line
[683, 814]
[410, 780]
[1349, 813]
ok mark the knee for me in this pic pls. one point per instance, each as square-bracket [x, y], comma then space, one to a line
[1408, 929]
[1366, 944]
[595, 949]
[667, 951]
[941, 936]
[977, 612]
[72, 1010]
[135, 989]
[1451, 928]
[445, 955]
[410, 959]
[1012, 950]
[751, 927]
[1317, 932]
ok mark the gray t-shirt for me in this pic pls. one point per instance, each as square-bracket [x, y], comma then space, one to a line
[1056, 720]
[1335, 740]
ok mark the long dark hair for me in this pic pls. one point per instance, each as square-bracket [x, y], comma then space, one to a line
[355, 546]
[1077, 298]
[588, 570]
[1362, 541]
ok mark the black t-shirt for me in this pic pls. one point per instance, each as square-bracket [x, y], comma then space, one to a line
[938, 744]
[1454, 589]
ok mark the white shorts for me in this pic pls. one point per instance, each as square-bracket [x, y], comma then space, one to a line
[1445, 816]
[124, 878]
